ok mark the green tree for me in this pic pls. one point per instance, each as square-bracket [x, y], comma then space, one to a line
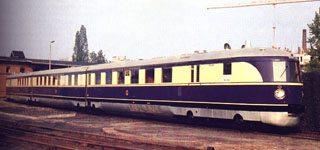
[80, 50]
[101, 57]
[97, 58]
[93, 57]
[314, 40]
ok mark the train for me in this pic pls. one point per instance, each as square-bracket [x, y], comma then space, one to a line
[248, 84]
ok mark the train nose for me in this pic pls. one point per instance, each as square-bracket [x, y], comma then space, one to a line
[282, 119]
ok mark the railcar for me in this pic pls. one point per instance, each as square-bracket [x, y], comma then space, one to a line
[251, 84]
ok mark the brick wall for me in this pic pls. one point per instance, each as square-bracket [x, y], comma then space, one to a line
[13, 69]
[311, 100]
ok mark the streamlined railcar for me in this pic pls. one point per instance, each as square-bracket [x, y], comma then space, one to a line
[252, 84]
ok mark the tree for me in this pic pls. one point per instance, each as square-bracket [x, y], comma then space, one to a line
[80, 50]
[314, 40]
[101, 57]
[97, 58]
[93, 57]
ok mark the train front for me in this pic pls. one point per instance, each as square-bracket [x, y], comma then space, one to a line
[287, 92]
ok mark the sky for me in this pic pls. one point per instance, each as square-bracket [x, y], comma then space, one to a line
[140, 29]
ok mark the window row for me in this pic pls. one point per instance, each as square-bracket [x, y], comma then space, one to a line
[177, 74]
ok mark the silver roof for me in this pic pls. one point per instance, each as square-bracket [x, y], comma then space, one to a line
[212, 55]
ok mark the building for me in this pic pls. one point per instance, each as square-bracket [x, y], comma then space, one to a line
[18, 63]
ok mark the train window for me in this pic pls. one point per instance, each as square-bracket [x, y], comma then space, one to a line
[98, 78]
[49, 80]
[108, 77]
[134, 76]
[227, 68]
[54, 78]
[76, 79]
[120, 77]
[150, 76]
[40, 78]
[69, 79]
[294, 72]
[88, 78]
[192, 73]
[58, 80]
[167, 74]
[198, 73]
[45, 80]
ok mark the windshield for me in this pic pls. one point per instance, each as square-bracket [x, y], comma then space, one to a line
[294, 72]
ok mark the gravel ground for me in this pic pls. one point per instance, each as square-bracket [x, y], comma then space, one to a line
[142, 129]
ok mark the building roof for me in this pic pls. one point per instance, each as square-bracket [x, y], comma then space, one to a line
[17, 54]
[43, 61]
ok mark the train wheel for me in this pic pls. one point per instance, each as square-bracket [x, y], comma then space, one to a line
[93, 109]
[190, 116]
[238, 121]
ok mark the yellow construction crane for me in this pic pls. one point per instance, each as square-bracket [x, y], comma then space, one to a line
[258, 3]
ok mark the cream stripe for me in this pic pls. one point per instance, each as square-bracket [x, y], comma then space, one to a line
[143, 100]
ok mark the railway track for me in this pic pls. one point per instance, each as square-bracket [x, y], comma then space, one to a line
[54, 138]
[315, 136]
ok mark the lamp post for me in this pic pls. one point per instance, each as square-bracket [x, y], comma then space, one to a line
[50, 55]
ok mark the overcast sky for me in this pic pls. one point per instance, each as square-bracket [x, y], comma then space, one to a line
[146, 28]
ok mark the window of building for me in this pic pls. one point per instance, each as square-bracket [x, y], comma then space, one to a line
[150, 76]
[120, 77]
[167, 74]
[8, 69]
[134, 76]
[127, 73]
[98, 78]
[22, 70]
[108, 77]
[227, 68]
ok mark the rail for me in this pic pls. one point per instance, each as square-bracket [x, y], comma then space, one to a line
[67, 139]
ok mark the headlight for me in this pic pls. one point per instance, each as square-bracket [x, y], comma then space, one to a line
[279, 94]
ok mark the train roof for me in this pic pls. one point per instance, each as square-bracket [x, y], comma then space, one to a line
[201, 56]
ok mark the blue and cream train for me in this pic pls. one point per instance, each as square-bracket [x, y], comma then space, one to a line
[252, 84]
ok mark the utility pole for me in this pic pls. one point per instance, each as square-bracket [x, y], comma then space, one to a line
[50, 55]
